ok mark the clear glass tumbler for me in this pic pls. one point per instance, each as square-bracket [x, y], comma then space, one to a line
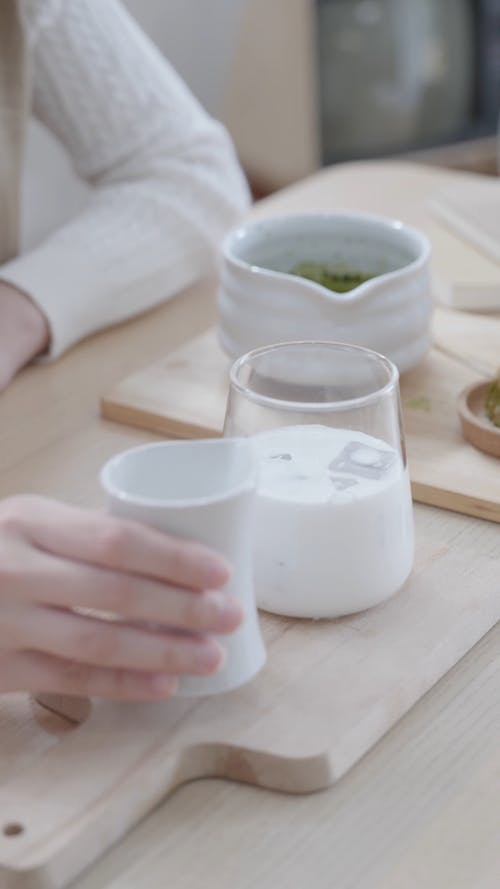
[334, 524]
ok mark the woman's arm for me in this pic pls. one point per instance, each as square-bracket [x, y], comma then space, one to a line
[166, 183]
[24, 332]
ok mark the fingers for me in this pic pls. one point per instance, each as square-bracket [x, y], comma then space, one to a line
[117, 544]
[53, 581]
[113, 644]
[46, 673]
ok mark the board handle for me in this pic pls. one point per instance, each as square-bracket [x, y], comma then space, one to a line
[74, 709]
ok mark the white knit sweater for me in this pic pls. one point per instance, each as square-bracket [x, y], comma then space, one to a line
[165, 181]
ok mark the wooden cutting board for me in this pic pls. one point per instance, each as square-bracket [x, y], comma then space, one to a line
[329, 691]
[185, 395]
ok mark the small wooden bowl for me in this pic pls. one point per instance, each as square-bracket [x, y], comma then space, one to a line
[476, 426]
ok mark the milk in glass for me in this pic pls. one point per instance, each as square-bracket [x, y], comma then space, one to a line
[334, 522]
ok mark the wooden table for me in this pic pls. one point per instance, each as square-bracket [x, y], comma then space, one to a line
[422, 809]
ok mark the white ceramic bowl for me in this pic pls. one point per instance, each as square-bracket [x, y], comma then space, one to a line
[261, 303]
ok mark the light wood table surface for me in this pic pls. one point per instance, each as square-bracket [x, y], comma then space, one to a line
[422, 809]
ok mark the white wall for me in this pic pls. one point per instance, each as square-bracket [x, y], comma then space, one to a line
[197, 36]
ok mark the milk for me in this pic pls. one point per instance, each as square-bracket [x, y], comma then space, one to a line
[334, 523]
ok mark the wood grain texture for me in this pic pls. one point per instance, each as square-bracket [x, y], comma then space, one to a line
[436, 766]
[421, 807]
[349, 679]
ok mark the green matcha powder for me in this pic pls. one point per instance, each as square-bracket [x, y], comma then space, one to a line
[341, 282]
[493, 402]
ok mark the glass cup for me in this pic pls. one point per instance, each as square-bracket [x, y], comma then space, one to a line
[334, 520]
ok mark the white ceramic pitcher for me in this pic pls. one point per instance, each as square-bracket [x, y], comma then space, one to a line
[261, 303]
[201, 490]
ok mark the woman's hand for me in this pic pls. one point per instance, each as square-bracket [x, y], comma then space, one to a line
[55, 559]
[24, 332]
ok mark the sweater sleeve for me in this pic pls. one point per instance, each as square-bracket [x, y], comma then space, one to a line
[165, 182]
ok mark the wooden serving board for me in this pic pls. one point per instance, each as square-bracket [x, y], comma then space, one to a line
[185, 395]
[329, 691]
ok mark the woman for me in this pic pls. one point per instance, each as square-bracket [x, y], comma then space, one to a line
[165, 186]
